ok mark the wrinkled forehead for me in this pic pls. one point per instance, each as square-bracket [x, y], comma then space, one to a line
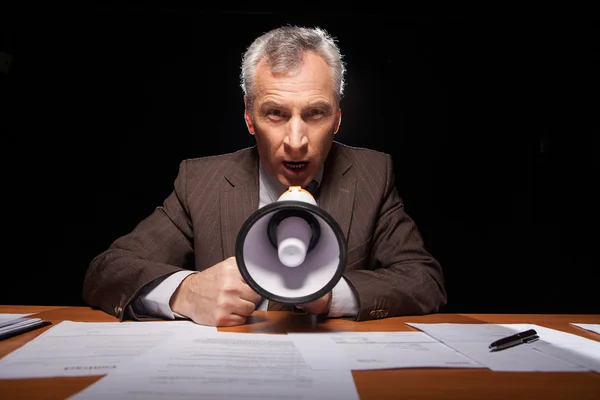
[309, 81]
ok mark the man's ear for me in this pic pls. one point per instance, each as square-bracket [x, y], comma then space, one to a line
[248, 116]
[338, 121]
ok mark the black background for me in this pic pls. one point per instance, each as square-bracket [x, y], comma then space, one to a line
[492, 123]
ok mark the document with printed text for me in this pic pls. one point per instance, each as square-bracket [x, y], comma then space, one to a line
[566, 346]
[89, 348]
[378, 350]
[473, 341]
[224, 365]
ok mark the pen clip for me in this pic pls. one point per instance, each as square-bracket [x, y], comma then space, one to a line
[531, 339]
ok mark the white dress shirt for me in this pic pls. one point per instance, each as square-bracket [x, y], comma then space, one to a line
[154, 298]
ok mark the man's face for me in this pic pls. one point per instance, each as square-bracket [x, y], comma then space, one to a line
[294, 119]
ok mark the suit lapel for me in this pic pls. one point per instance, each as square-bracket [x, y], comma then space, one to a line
[338, 192]
[239, 200]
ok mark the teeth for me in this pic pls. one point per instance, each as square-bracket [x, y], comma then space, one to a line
[295, 166]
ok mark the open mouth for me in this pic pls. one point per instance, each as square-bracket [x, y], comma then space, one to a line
[295, 165]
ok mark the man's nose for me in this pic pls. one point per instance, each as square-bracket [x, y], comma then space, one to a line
[296, 139]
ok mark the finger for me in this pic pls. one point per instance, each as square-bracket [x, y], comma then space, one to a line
[243, 308]
[219, 319]
[238, 274]
[232, 320]
[247, 293]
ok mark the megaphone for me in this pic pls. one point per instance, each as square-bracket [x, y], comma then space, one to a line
[291, 251]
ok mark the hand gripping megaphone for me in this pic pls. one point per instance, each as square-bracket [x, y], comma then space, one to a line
[291, 251]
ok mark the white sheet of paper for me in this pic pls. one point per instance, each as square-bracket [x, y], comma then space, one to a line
[224, 365]
[19, 324]
[590, 327]
[473, 341]
[377, 350]
[566, 346]
[9, 319]
[89, 348]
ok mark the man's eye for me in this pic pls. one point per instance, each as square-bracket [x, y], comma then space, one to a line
[275, 113]
[315, 113]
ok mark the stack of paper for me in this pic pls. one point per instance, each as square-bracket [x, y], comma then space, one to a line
[13, 324]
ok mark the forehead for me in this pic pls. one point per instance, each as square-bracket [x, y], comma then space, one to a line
[311, 82]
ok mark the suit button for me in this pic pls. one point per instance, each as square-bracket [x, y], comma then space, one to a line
[118, 310]
[373, 314]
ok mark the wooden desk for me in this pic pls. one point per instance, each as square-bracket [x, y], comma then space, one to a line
[383, 384]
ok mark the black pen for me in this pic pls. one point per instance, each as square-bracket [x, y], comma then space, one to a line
[513, 340]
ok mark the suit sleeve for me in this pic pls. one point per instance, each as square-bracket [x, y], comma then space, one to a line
[402, 278]
[158, 246]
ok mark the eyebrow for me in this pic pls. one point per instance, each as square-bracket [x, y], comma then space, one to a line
[322, 105]
[318, 104]
[270, 104]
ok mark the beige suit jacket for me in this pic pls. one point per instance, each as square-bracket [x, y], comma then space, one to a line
[388, 267]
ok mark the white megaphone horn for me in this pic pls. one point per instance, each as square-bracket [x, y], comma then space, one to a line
[291, 251]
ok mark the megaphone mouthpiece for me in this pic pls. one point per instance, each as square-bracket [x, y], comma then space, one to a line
[293, 239]
[298, 194]
[297, 224]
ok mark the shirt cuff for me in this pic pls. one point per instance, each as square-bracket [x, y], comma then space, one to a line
[155, 297]
[343, 300]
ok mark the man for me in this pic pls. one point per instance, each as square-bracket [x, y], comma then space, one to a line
[179, 261]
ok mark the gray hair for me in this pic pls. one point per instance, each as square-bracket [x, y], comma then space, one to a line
[283, 49]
